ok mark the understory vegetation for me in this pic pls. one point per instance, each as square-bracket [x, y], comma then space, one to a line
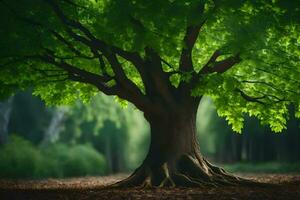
[263, 167]
[21, 159]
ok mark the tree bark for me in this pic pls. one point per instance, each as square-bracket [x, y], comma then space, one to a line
[174, 157]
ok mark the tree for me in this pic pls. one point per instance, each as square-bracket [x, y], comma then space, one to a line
[5, 108]
[106, 125]
[52, 132]
[162, 56]
[256, 144]
[29, 117]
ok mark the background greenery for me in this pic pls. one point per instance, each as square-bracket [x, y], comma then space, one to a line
[102, 137]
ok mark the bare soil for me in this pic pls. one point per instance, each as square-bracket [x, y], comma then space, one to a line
[285, 187]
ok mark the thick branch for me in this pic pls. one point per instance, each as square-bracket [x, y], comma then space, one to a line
[129, 90]
[212, 66]
[190, 38]
[212, 59]
[94, 44]
[118, 70]
[221, 66]
[75, 73]
[159, 79]
[83, 76]
[91, 41]
[191, 35]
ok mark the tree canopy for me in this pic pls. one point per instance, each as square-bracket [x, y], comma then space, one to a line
[245, 54]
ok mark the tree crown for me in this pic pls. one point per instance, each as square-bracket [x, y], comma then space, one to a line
[244, 54]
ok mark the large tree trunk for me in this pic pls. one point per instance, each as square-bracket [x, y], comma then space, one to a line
[174, 157]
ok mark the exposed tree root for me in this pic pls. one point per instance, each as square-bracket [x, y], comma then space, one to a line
[188, 171]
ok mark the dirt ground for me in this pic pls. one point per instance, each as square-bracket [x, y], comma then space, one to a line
[286, 187]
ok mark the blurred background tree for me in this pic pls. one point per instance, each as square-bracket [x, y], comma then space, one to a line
[108, 136]
[5, 110]
[257, 143]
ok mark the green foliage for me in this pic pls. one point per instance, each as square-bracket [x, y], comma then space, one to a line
[77, 160]
[256, 144]
[265, 34]
[212, 131]
[268, 64]
[29, 117]
[65, 93]
[82, 119]
[110, 128]
[267, 167]
[21, 159]
[119, 134]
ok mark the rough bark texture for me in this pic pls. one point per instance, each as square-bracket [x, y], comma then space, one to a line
[174, 158]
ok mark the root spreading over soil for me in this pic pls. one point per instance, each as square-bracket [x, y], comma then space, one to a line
[188, 172]
[285, 187]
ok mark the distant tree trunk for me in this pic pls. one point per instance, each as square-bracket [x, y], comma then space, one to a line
[236, 140]
[174, 156]
[5, 110]
[111, 140]
[108, 153]
[55, 125]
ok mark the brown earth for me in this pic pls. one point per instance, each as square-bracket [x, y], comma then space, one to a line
[284, 187]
